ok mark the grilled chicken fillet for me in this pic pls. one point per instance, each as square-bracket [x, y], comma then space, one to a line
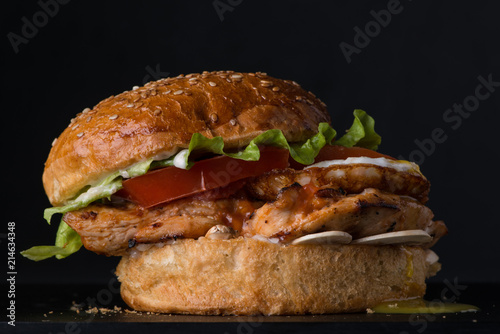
[295, 210]
[299, 211]
[112, 228]
[352, 179]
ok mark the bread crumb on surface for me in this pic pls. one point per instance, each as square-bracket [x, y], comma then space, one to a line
[93, 310]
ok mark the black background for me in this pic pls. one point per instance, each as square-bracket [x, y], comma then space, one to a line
[427, 58]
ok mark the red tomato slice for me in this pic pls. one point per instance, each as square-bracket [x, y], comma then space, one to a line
[170, 183]
[334, 152]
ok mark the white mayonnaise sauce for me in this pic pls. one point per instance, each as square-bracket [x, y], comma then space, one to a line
[180, 159]
[399, 165]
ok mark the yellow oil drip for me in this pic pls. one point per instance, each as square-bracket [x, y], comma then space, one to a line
[409, 265]
[419, 305]
[412, 286]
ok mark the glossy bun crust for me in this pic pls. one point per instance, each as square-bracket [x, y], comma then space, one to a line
[245, 276]
[157, 120]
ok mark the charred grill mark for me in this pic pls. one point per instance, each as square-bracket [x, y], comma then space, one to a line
[293, 185]
[391, 228]
[88, 215]
[364, 204]
[170, 237]
[330, 193]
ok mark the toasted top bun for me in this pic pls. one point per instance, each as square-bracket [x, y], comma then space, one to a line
[158, 120]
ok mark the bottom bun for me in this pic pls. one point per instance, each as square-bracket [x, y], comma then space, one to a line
[246, 276]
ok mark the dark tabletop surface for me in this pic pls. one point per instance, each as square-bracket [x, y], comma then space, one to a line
[70, 309]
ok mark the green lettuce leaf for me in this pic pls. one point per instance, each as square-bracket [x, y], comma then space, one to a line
[67, 239]
[302, 152]
[362, 132]
[92, 194]
[105, 188]
[67, 243]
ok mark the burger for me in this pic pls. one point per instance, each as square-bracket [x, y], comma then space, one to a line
[231, 193]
